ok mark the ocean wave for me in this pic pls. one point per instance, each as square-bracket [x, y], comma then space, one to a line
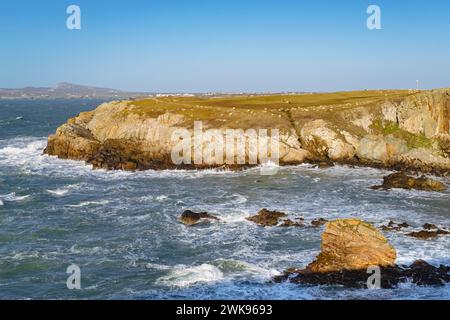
[161, 198]
[88, 203]
[242, 269]
[58, 192]
[12, 197]
[183, 276]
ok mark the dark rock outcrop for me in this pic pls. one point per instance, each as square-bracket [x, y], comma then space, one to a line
[318, 222]
[420, 273]
[267, 218]
[428, 234]
[290, 223]
[403, 181]
[190, 218]
[394, 226]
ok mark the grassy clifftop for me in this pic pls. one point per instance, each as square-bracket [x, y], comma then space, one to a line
[261, 110]
[381, 127]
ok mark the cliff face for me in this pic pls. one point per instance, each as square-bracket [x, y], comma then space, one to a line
[378, 128]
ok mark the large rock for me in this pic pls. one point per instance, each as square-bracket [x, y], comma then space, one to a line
[403, 181]
[349, 248]
[352, 244]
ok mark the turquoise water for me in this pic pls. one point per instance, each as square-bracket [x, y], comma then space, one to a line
[121, 228]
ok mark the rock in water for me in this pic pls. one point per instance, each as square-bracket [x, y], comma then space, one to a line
[352, 244]
[349, 247]
[267, 218]
[319, 222]
[401, 180]
[428, 234]
[190, 218]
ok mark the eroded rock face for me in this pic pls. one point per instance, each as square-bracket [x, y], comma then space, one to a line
[190, 218]
[380, 148]
[352, 244]
[137, 135]
[403, 181]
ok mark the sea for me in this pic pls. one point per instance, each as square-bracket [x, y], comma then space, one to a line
[121, 229]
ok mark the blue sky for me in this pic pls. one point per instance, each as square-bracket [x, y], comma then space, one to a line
[226, 45]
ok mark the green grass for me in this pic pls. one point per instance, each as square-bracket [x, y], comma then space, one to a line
[412, 140]
[261, 110]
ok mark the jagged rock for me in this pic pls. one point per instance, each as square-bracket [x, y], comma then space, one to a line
[428, 234]
[349, 248]
[190, 218]
[290, 223]
[267, 218]
[401, 180]
[352, 244]
[429, 231]
[429, 226]
[318, 222]
[419, 272]
[323, 139]
[394, 226]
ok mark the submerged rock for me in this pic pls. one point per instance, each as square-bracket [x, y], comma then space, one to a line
[290, 223]
[403, 181]
[419, 272]
[349, 248]
[429, 230]
[267, 218]
[428, 234]
[190, 218]
[394, 226]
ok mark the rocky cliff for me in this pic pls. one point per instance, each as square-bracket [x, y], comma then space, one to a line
[397, 129]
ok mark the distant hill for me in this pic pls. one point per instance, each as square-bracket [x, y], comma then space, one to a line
[66, 90]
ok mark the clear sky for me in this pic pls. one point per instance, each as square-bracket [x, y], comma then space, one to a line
[226, 45]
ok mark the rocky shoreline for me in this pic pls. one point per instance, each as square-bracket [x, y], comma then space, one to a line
[399, 130]
[351, 251]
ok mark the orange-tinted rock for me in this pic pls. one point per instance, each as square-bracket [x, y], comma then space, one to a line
[352, 244]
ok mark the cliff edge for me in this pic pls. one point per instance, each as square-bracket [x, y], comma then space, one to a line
[387, 128]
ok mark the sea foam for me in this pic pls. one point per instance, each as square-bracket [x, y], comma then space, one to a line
[183, 276]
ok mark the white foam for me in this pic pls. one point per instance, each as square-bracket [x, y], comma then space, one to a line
[11, 197]
[88, 203]
[183, 276]
[1, 203]
[161, 198]
[244, 269]
[58, 192]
